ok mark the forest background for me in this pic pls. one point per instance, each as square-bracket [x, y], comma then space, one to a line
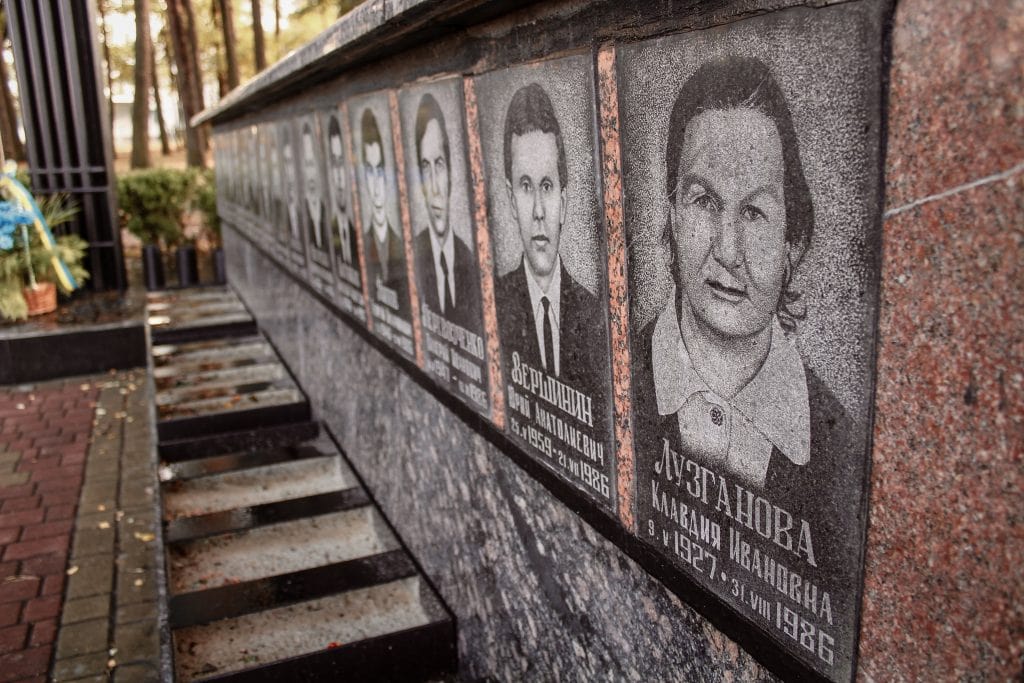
[166, 60]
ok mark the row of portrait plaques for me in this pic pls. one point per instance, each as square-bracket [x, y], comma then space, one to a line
[466, 221]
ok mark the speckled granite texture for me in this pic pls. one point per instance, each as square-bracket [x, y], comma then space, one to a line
[944, 576]
[538, 594]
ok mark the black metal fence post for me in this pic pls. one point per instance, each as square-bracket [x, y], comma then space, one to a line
[67, 124]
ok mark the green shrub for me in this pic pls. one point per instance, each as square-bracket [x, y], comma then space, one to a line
[153, 201]
[206, 201]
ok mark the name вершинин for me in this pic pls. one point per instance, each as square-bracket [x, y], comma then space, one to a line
[562, 396]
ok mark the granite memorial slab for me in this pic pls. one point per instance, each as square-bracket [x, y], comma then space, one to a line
[752, 192]
[537, 134]
[379, 221]
[444, 245]
[315, 205]
[346, 240]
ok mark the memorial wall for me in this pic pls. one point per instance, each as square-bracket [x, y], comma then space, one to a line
[590, 295]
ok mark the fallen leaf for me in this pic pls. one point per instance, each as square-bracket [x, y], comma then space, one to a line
[137, 583]
[101, 507]
[111, 663]
[145, 537]
[104, 525]
[72, 570]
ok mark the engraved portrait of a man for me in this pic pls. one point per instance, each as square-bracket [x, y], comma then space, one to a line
[314, 206]
[545, 315]
[342, 230]
[443, 258]
[277, 211]
[291, 184]
[385, 253]
[726, 382]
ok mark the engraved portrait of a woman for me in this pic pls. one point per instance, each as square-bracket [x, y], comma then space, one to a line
[727, 384]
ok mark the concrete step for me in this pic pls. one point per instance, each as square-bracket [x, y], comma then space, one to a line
[213, 349]
[277, 549]
[372, 633]
[195, 314]
[169, 367]
[240, 444]
[279, 565]
[187, 386]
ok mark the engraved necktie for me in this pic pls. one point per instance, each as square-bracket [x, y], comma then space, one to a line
[549, 352]
[447, 304]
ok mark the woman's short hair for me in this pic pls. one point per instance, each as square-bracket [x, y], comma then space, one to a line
[745, 82]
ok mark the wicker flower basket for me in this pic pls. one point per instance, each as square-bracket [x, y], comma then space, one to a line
[42, 299]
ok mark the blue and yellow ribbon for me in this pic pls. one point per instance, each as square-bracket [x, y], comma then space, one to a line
[22, 198]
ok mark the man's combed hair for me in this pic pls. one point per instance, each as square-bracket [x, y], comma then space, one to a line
[333, 128]
[737, 83]
[371, 133]
[531, 110]
[429, 110]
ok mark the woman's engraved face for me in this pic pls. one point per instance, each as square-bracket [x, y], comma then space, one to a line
[728, 218]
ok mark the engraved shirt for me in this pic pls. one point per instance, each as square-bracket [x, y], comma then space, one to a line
[448, 249]
[771, 411]
[554, 295]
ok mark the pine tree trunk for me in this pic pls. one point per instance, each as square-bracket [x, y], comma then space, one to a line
[101, 6]
[258, 44]
[222, 78]
[197, 82]
[277, 19]
[227, 24]
[13, 148]
[181, 27]
[143, 85]
[165, 143]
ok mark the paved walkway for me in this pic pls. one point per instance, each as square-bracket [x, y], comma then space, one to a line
[78, 551]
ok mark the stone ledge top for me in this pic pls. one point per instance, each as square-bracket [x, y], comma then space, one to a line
[370, 30]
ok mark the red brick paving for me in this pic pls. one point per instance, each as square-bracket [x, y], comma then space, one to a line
[43, 441]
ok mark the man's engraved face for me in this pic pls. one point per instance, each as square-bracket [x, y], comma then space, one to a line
[434, 177]
[729, 221]
[538, 199]
[338, 175]
[373, 170]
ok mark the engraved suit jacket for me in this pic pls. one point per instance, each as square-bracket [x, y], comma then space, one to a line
[336, 237]
[584, 358]
[397, 278]
[467, 311]
[311, 228]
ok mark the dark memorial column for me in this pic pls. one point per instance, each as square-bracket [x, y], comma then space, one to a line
[66, 122]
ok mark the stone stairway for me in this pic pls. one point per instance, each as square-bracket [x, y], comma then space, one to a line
[279, 564]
